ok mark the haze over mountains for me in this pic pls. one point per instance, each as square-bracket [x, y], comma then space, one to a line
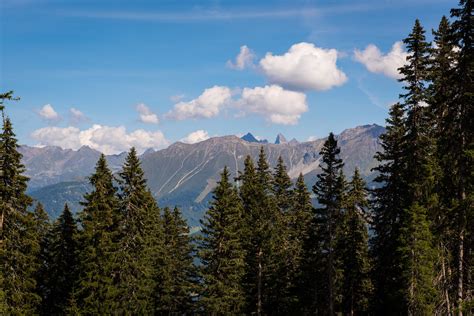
[185, 174]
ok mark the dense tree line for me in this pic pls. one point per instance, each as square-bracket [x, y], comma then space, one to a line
[266, 247]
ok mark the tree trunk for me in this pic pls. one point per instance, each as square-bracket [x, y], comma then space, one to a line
[460, 271]
[259, 282]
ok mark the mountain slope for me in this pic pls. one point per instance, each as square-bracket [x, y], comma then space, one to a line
[185, 174]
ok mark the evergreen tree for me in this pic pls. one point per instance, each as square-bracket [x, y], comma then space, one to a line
[261, 225]
[42, 227]
[138, 240]
[61, 265]
[460, 152]
[96, 291]
[356, 283]
[442, 75]
[329, 190]
[285, 250]
[19, 245]
[388, 204]
[299, 219]
[176, 282]
[416, 242]
[221, 252]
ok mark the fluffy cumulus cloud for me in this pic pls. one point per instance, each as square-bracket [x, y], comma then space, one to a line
[375, 61]
[196, 137]
[304, 67]
[207, 105]
[146, 115]
[107, 139]
[47, 112]
[276, 104]
[243, 60]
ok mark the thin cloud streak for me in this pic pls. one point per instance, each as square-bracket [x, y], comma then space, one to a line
[221, 15]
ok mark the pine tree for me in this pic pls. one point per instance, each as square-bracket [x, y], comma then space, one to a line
[442, 75]
[42, 227]
[354, 249]
[285, 250]
[299, 219]
[19, 245]
[221, 252]
[417, 254]
[460, 152]
[138, 240]
[260, 218]
[177, 279]
[96, 292]
[388, 204]
[61, 265]
[329, 190]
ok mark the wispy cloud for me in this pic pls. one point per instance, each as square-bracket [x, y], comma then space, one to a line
[202, 15]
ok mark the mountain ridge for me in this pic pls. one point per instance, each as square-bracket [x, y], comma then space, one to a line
[185, 174]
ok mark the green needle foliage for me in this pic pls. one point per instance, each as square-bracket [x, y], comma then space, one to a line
[221, 252]
[98, 270]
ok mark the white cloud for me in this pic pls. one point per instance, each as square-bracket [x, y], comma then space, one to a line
[196, 137]
[304, 67]
[388, 64]
[276, 104]
[107, 139]
[146, 115]
[176, 98]
[207, 105]
[312, 138]
[47, 112]
[243, 60]
[77, 116]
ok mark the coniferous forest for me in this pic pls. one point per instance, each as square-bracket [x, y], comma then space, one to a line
[270, 245]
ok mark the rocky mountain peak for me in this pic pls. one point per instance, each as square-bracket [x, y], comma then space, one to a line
[280, 139]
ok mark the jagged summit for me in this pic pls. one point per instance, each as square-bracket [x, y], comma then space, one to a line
[252, 139]
[280, 139]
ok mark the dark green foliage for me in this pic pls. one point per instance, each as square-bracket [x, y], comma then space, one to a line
[298, 225]
[221, 252]
[388, 204]
[417, 249]
[326, 226]
[95, 291]
[356, 283]
[261, 222]
[60, 269]
[138, 240]
[19, 240]
[176, 279]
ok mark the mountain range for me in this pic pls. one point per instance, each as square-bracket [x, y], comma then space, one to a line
[185, 174]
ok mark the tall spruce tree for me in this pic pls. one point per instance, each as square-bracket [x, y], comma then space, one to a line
[42, 227]
[61, 267]
[96, 291]
[138, 240]
[416, 248]
[329, 190]
[285, 250]
[19, 245]
[388, 204]
[461, 152]
[176, 282]
[356, 283]
[441, 94]
[222, 253]
[299, 219]
[261, 223]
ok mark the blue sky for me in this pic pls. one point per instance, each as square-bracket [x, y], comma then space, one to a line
[104, 58]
